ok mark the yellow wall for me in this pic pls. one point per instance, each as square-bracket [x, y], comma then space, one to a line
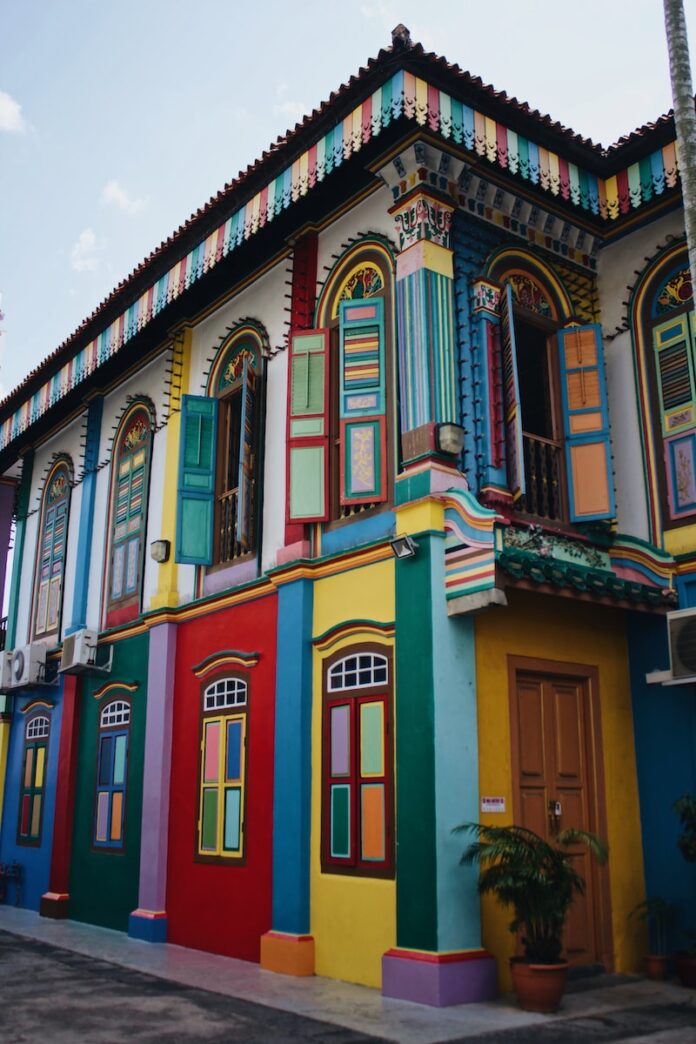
[578, 632]
[353, 918]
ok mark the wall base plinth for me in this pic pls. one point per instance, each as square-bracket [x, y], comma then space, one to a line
[148, 925]
[54, 904]
[287, 954]
[439, 979]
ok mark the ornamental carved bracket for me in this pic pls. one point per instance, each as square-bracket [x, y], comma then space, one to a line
[423, 219]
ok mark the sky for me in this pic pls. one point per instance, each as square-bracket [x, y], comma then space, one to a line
[119, 118]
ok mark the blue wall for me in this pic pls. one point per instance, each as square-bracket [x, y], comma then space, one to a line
[35, 859]
[665, 735]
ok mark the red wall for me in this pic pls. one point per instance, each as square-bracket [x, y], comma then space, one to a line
[223, 908]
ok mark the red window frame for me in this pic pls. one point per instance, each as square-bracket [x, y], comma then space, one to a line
[354, 699]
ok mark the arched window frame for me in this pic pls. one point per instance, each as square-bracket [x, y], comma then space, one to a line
[51, 551]
[128, 515]
[222, 799]
[358, 766]
[111, 775]
[37, 728]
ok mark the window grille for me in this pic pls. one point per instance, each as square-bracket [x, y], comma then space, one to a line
[115, 713]
[358, 672]
[228, 692]
[37, 728]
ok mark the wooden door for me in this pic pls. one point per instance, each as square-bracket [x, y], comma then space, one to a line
[556, 787]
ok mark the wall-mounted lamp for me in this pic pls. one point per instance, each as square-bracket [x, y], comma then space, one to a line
[403, 546]
[449, 438]
[159, 550]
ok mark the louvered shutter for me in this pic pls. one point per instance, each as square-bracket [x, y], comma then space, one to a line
[674, 361]
[586, 424]
[514, 447]
[196, 500]
[308, 427]
[244, 521]
[363, 402]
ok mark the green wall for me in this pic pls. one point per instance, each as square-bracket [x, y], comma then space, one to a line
[103, 883]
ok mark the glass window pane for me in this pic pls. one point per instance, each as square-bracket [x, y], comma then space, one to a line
[24, 819]
[28, 766]
[340, 821]
[234, 750]
[40, 764]
[105, 761]
[209, 841]
[233, 809]
[372, 739]
[36, 816]
[120, 760]
[212, 752]
[373, 846]
[340, 741]
[102, 814]
[116, 816]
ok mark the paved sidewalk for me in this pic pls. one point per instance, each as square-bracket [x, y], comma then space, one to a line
[632, 1009]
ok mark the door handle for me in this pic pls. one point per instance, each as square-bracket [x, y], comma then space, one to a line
[555, 813]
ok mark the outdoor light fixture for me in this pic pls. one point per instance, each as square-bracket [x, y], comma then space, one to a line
[449, 438]
[159, 550]
[403, 546]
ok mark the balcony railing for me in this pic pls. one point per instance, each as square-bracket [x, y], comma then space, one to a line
[542, 472]
[228, 546]
[3, 633]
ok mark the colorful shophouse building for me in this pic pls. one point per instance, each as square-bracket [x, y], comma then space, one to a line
[354, 513]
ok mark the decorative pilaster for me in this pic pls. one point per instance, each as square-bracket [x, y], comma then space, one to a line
[167, 593]
[78, 617]
[421, 183]
[289, 947]
[17, 561]
[54, 902]
[491, 411]
[149, 921]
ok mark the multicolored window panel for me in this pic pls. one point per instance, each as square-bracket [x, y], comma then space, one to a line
[129, 508]
[222, 782]
[357, 829]
[31, 793]
[112, 773]
[52, 546]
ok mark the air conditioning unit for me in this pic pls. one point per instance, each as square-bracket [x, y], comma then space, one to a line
[681, 629]
[27, 665]
[79, 652]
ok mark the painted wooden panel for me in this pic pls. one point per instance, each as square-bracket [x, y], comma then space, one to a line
[196, 499]
[308, 427]
[511, 398]
[362, 401]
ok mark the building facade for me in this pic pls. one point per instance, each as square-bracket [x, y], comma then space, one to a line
[355, 514]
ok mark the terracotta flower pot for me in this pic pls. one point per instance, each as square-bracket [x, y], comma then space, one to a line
[686, 969]
[539, 987]
[656, 966]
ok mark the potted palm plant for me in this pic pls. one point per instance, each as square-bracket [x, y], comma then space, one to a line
[657, 912]
[538, 880]
[685, 807]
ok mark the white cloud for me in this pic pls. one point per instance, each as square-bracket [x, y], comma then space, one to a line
[84, 254]
[116, 194]
[11, 118]
[286, 107]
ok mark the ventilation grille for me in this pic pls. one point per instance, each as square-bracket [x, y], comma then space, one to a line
[682, 643]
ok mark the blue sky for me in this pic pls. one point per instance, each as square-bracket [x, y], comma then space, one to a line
[118, 118]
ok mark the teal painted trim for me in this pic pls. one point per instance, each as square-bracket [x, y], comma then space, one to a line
[416, 828]
[78, 617]
[17, 560]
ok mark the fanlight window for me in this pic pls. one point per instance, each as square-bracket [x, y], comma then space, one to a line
[228, 692]
[37, 728]
[358, 672]
[115, 713]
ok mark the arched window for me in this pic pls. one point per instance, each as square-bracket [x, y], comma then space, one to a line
[51, 551]
[128, 519]
[220, 457]
[223, 769]
[357, 779]
[33, 783]
[341, 418]
[112, 774]
[548, 399]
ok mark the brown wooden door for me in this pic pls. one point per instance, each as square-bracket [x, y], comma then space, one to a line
[554, 766]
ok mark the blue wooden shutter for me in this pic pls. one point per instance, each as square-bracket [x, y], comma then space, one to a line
[308, 427]
[196, 501]
[586, 424]
[244, 521]
[363, 402]
[514, 446]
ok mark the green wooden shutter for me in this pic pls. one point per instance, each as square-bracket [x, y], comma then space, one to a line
[514, 446]
[363, 402]
[196, 502]
[308, 427]
[586, 424]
